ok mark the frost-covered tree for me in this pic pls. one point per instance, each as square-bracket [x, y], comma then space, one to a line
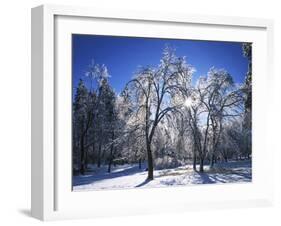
[82, 117]
[225, 100]
[94, 118]
[247, 52]
[217, 99]
[105, 120]
[247, 124]
[232, 140]
[152, 89]
[194, 110]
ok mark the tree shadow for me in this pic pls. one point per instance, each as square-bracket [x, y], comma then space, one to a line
[232, 175]
[91, 177]
[204, 178]
[211, 178]
[143, 183]
[245, 175]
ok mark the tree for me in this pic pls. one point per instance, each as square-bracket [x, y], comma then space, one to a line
[247, 123]
[104, 111]
[247, 52]
[111, 122]
[232, 140]
[95, 119]
[82, 113]
[194, 109]
[218, 98]
[151, 88]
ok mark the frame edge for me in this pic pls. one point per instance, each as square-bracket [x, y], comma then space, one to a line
[37, 178]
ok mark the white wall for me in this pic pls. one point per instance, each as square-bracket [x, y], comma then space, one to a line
[15, 110]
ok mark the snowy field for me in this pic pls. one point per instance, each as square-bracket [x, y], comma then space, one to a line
[130, 176]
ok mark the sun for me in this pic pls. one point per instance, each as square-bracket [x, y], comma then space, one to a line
[188, 102]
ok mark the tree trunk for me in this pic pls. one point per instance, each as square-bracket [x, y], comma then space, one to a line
[86, 159]
[212, 160]
[82, 157]
[99, 156]
[201, 165]
[110, 160]
[225, 159]
[150, 162]
[93, 151]
[139, 163]
[111, 154]
[194, 159]
[213, 156]
[109, 165]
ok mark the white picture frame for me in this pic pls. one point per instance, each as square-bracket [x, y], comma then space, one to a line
[52, 197]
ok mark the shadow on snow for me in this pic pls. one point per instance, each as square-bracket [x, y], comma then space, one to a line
[100, 174]
[233, 173]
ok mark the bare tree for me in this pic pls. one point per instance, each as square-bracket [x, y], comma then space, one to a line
[151, 88]
[220, 98]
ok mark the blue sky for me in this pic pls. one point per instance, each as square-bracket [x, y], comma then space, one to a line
[122, 56]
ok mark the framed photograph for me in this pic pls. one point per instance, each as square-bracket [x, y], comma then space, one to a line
[137, 112]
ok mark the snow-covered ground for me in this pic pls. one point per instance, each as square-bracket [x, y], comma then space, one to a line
[130, 176]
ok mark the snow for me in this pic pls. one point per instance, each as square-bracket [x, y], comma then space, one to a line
[130, 176]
